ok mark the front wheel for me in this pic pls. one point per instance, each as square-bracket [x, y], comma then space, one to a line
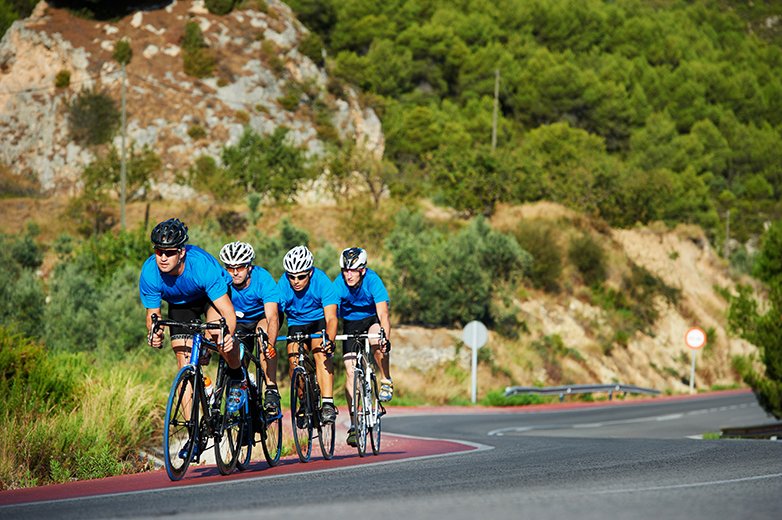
[326, 438]
[376, 414]
[228, 437]
[301, 415]
[272, 439]
[359, 412]
[181, 426]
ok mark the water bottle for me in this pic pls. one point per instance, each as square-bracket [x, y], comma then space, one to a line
[210, 389]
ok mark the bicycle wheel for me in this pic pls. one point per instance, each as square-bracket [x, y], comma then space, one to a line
[272, 439]
[248, 433]
[181, 430]
[228, 434]
[325, 434]
[359, 407]
[301, 415]
[375, 415]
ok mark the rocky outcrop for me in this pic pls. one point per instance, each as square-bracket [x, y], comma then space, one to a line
[258, 62]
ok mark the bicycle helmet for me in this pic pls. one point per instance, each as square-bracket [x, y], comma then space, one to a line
[237, 253]
[353, 258]
[297, 260]
[169, 233]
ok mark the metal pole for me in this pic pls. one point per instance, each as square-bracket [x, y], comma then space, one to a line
[692, 371]
[474, 373]
[726, 252]
[123, 167]
[496, 109]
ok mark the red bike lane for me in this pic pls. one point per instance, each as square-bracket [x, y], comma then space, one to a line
[393, 447]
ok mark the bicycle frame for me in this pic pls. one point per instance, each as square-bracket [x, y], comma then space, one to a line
[310, 398]
[187, 397]
[366, 409]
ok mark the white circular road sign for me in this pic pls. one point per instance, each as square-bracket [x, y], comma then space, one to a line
[695, 338]
[475, 334]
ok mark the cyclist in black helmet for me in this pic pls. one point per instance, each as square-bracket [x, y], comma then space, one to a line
[195, 285]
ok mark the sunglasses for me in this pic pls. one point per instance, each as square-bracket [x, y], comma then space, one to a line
[235, 268]
[166, 252]
[297, 276]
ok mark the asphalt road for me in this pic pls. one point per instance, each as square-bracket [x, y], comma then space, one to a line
[606, 461]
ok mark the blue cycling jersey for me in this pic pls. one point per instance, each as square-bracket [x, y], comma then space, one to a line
[249, 301]
[306, 306]
[202, 276]
[357, 303]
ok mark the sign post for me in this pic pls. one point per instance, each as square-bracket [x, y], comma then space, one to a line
[474, 336]
[695, 339]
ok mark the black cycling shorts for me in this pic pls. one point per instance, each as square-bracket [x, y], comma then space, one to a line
[313, 327]
[186, 312]
[356, 327]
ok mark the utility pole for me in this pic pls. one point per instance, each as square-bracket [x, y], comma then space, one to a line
[123, 167]
[496, 109]
[726, 248]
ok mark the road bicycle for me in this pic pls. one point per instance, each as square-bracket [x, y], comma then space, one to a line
[305, 402]
[258, 422]
[193, 418]
[366, 410]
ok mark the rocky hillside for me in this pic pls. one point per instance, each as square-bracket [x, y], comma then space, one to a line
[658, 358]
[258, 63]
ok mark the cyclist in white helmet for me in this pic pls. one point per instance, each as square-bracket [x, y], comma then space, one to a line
[256, 299]
[364, 308]
[310, 306]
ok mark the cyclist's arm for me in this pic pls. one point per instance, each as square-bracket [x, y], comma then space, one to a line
[272, 321]
[330, 312]
[225, 306]
[383, 316]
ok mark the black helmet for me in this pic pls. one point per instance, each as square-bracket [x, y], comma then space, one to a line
[169, 233]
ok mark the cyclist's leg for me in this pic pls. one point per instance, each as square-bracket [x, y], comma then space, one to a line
[383, 366]
[182, 340]
[271, 397]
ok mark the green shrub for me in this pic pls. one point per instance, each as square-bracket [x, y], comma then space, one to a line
[498, 398]
[291, 97]
[220, 7]
[588, 257]
[540, 238]
[63, 79]
[94, 118]
[207, 177]
[448, 279]
[312, 47]
[196, 132]
[198, 60]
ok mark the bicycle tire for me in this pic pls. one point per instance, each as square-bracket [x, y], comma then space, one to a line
[253, 425]
[271, 431]
[228, 436]
[302, 437]
[375, 429]
[326, 433]
[359, 406]
[179, 429]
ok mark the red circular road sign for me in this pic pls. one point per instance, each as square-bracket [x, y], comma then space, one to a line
[695, 338]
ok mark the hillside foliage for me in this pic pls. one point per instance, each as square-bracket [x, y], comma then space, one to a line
[634, 111]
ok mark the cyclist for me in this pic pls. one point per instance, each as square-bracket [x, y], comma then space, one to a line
[194, 284]
[364, 308]
[256, 299]
[310, 305]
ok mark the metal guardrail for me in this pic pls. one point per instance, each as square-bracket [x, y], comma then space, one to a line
[763, 431]
[564, 390]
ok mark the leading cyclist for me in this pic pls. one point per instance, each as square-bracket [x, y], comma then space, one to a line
[364, 308]
[310, 305]
[256, 299]
[194, 284]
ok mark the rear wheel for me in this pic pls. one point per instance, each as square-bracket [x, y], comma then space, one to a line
[180, 433]
[301, 415]
[326, 438]
[228, 436]
[272, 440]
[359, 409]
[375, 429]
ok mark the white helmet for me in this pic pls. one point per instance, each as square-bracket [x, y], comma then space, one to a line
[237, 253]
[297, 260]
[353, 258]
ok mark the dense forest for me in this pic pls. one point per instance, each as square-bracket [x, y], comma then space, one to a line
[633, 111]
